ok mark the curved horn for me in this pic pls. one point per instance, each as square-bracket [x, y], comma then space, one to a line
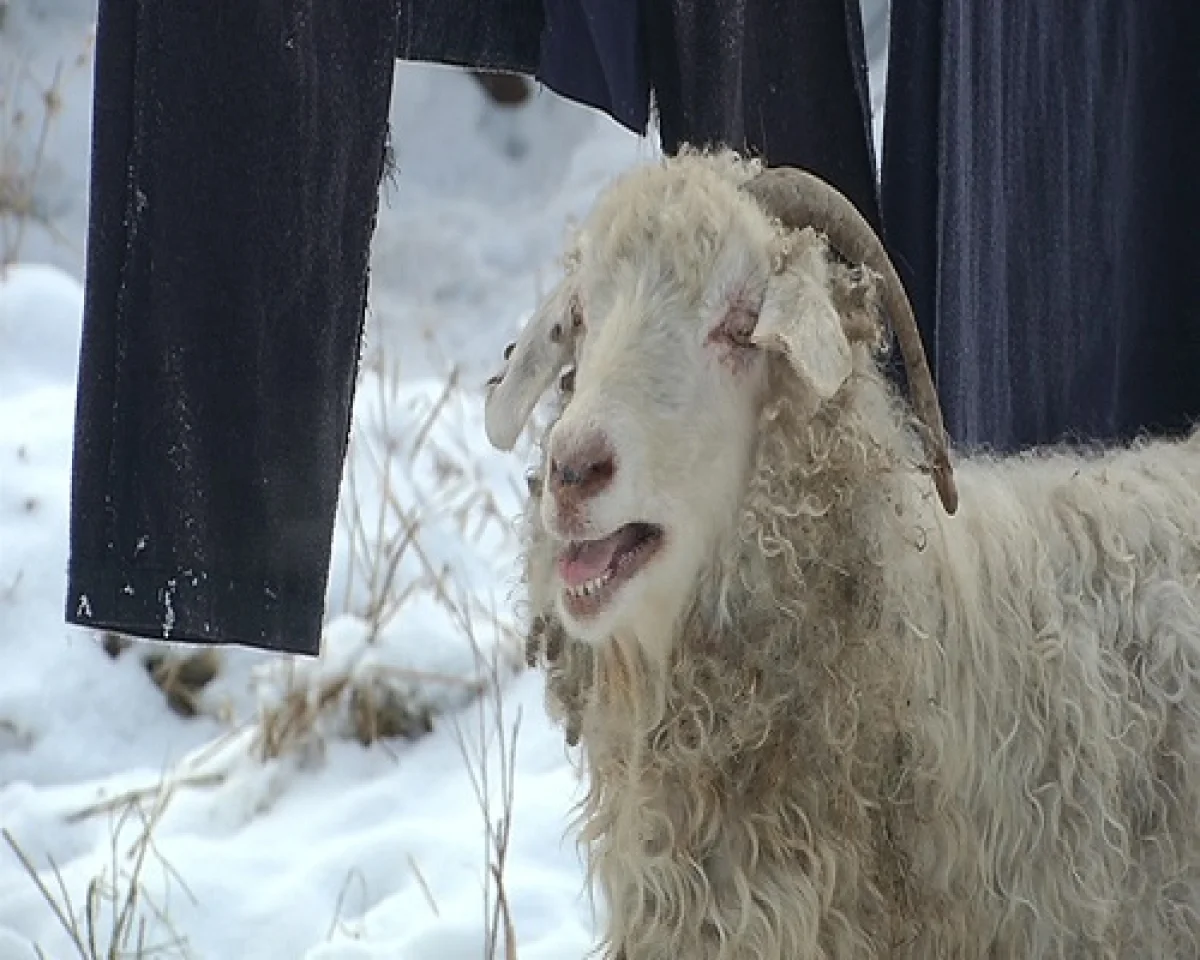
[800, 199]
[545, 345]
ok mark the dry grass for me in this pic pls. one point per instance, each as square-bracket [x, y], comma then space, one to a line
[22, 166]
[384, 517]
[181, 674]
[371, 706]
[382, 528]
[378, 550]
[388, 528]
[494, 745]
[119, 919]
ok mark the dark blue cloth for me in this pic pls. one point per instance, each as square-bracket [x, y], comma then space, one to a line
[587, 50]
[784, 79]
[1040, 191]
[237, 153]
[236, 158]
[591, 52]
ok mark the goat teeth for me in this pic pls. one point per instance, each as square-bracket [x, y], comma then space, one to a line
[589, 587]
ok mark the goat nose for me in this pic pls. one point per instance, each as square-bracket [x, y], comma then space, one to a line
[585, 471]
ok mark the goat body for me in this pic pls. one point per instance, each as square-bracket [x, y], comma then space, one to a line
[874, 730]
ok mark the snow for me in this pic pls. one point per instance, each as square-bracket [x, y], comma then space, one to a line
[323, 848]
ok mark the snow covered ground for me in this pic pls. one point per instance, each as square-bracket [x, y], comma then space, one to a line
[269, 841]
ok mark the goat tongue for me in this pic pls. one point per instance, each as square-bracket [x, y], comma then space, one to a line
[585, 560]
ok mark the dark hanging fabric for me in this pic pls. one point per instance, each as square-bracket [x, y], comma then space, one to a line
[237, 154]
[590, 51]
[1040, 192]
[784, 79]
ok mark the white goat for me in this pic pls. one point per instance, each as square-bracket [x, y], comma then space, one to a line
[821, 717]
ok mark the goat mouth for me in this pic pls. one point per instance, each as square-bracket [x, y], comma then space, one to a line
[593, 570]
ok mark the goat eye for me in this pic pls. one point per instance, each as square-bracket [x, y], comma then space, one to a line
[737, 326]
[566, 383]
[740, 331]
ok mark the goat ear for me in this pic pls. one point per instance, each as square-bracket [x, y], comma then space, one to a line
[798, 319]
[543, 348]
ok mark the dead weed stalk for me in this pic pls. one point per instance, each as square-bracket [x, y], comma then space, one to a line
[494, 743]
[20, 168]
[392, 451]
[386, 517]
[119, 916]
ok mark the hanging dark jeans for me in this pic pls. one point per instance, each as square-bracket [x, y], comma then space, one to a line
[1040, 194]
[238, 148]
[237, 154]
